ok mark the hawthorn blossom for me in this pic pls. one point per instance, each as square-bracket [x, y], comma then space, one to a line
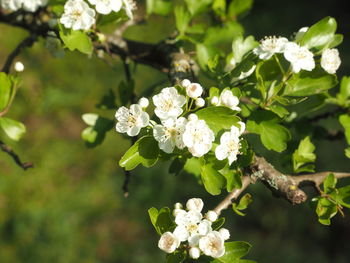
[214, 100]
[168, 103]
[212, 245]
[194, 90]
[229, 100]
[194, 252]
[27, 5]
[77, 15]
[211, 216]
[143, 102]
[130, 121]
[198, 137]
[168, 242]
[107, 6]
[195, 204]
[330, 60]
[170, 134]
[185, 83]
[270, 46]
[299, 57]
[225, 234]
[229, 144]
[200, 102]
[19, 67]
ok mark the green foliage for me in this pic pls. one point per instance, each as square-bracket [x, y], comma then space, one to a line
[76, 40]
[5, 90]
[195, 7]
[144, 151]
[161, 220]
[239, 7]
[159, 7]
[234, 252]
[303, 156]
[242, 205]
[98, 127]
[13, 129]
[213, 180]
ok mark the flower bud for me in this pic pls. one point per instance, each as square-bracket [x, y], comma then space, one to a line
[192, 117]
[200, 102]
[194, 90]
[225, 234]
[211, 216]
[144, 102]
[185, 83]
[195, 204]
[176, 211]
[19, 67]
[214, 100]
[194, 252]
[168, 242]
[178, 206]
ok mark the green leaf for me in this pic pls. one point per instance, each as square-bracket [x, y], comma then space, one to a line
[99, 126]
[218, 223]
[145, 151]
[176, 166]
[233, 179]
[239, 7]
[193, 166]
[204, 54]
[345, 121]
[153, 215]
[159, 7]
[126, 91]
[347, 152]
[308, 83]
[279, 110]
[221, 35]
[5, 90]
[164, 222]
[343, 197]
[344, 93]
[182, 18]
[196, 7]
[241, 46]
[218, 117]
[325, 210]
[303, 155]
[329, 183]
[13, 129]
[234, 251]
[75, 39]
[320, 35]
[213, 180]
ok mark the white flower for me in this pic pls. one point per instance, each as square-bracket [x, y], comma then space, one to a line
[299, 57]
[170, 134]
[168, 242]
[177, 211]
[225, 234]
[194, 90]
[269, 46]
[229, 100]
[143, 102]
[330, 60]
[77, 15]
[27, 5]
[301, 33]
[178, 206]
[211, 216]
[192, 117]
[198, 137]
[200, 102]
[212, 245]
[194, 252]
[195, 204]
[187, 224]
[12, 5]
[168, 103]
[107, 6]
[214, 100]
[193, 240]
[185, 83]
[19, 67]
[229, 145]
[131, 121]
[204, 227]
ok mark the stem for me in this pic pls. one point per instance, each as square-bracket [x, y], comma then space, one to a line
[280, 65]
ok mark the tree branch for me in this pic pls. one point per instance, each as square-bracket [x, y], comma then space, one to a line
[7, 149]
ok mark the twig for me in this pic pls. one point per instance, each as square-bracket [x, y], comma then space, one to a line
[7, 149]
[125, 186]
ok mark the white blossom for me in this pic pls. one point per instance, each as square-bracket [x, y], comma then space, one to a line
[198, 137]
[107, 6]
[229, 145]
[177, 211]
[269, 46]
[204, 227]
[330, 60]
[214, 100]
[212, 245]
[229, 100]
[194, 90]
[19, 67]
[168, 242]
[211, 216]
[168, 103]
[299, 57]
[143, 102]
[170, 134]
[27, 5]
[178, 206]
[192, 117]
[194, 252]
[195, 204]
[77, 15]
[185, 83]
[131, 120]
[200, 102]
[187, 224]
[225, 234]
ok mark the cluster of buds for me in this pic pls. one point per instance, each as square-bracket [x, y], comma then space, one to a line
[194, 232]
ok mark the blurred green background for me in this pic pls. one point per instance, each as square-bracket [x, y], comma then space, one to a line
[70, 207]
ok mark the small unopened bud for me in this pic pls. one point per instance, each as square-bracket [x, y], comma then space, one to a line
[192, 117]
[200, 102]
[185, 83]
[144, 102]
[194, 90]
[194, 252]
[195, 204]
[19, 67]
[211, 215]
[178, 206]
[214, 100]
[225, 234]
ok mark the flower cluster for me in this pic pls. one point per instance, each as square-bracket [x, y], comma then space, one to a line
[299, 56]
[194, 231]
[79, 15]
[177, 131]
[27, 5]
